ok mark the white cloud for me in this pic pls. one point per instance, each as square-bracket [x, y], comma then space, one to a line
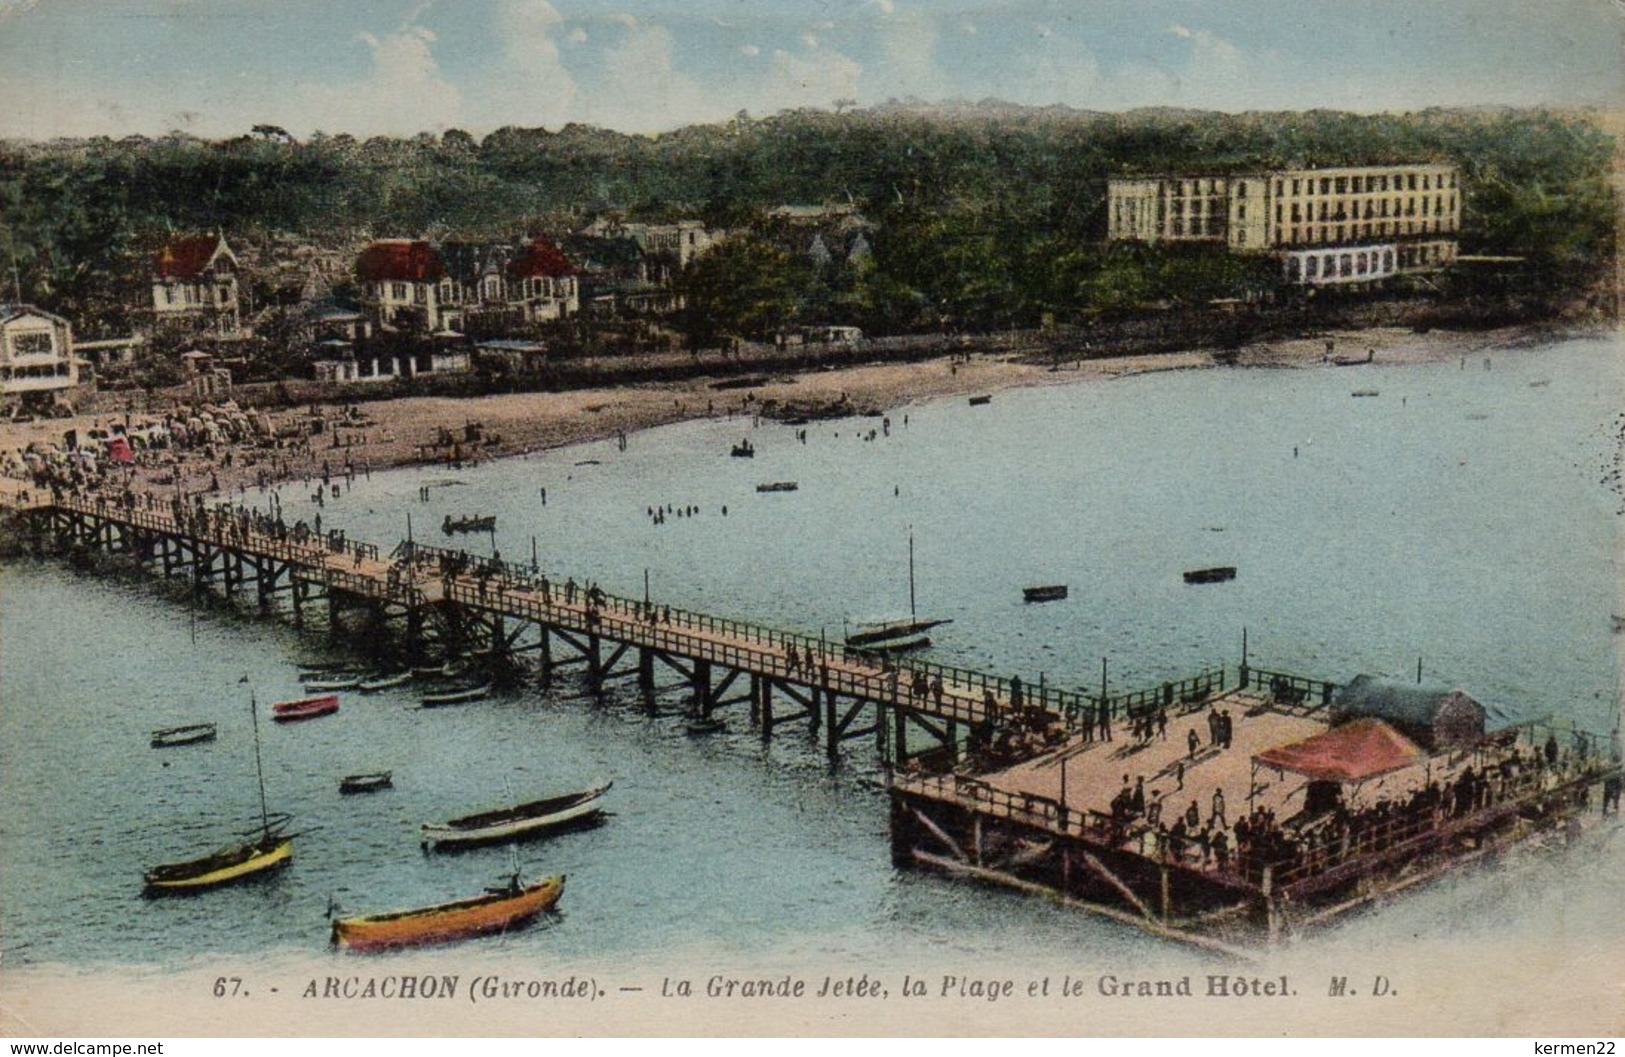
[624, 19]
[750, 50]
[529, 85]
[642, 89]
[815, 81]
[908, 44]
[578, 36]
[1217, 71]
[403, 93]
[810, 39]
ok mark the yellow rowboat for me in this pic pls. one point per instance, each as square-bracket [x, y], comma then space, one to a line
[271, 851]
[497, 910]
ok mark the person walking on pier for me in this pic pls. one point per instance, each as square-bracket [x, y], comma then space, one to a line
[1105, 721]
[1217, 819]
[1162, 723]
[1137, 802]
[1192, 743]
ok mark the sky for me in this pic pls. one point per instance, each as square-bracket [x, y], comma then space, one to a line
[216, 68]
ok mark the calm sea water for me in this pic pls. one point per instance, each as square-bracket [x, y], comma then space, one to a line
[1458, 516]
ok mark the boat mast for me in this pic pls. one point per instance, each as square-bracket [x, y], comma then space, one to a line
[259, 767]
[912, 614]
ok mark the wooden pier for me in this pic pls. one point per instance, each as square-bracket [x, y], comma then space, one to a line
[431, 603]
[1053, 824]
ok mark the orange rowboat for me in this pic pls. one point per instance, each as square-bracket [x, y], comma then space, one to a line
[496, 911]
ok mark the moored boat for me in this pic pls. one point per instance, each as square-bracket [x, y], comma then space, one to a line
[978, 401]
[778, 486]
[1216, 574]
[496, 910]
[700, 726]
[488, 523]
[517, 821]
[304, 708]
[339, 682]
[458, 696]
[190, 734]
[324, 675]
[743, 450]
[1048, 593]
[891, 634]
[271, 850]
[384, 682]
[366, 783]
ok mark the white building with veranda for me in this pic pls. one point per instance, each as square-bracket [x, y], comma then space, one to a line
[1352, 224]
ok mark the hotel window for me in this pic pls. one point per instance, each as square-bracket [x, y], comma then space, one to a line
[1412, 186]
[1325, 186]
[1340, 235]
[1345, 264]
[1342, 184]
[1424, 181]
[397, 291]
[1294, 234]
[1359, 264]
[1388, 260]
[1296, 187]
[1311, 267]
[1357, 184]
[1241, 189]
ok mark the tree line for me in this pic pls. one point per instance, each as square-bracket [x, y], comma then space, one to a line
[981, 217]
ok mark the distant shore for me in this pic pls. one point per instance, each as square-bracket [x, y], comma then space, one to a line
[401, 432]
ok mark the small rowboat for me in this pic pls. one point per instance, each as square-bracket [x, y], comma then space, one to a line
[1049, 593]
[1217, 574]
[497, 910]
[270, 849]
[743, 450]
[366, 783]
[468, 524]
[322, 675]
[338, 682]
[304, 708]
[978, 401]
[384, 682]
[190, 734]
[700, 727]
[520, 820]
[778, 486]
[457, 697]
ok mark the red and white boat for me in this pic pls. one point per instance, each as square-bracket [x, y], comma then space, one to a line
[304, 708]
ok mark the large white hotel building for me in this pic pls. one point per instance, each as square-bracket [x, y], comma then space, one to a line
[1327, 226]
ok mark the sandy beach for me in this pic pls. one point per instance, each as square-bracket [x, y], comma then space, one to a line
[401, 432]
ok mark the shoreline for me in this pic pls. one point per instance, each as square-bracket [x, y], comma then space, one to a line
[400, 432]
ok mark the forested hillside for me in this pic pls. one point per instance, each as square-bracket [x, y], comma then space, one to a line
[982, 216]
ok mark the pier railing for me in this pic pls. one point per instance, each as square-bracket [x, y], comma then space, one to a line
[1190, 691]
[1285, 688]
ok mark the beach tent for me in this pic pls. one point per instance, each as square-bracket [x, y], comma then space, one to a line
[1346, 754]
